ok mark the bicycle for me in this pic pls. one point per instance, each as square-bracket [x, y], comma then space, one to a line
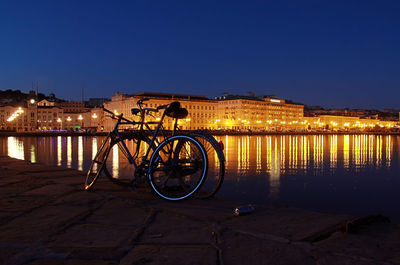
[177, 167]
[215, 176]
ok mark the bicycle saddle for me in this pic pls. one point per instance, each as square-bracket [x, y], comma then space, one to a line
[135, 111]
[175, 111]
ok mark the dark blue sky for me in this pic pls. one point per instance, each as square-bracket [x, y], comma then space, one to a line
[331, 53]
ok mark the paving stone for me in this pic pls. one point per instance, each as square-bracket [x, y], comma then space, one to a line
[212, 210]
[39, 224]
[170, 255]
[71, 180]
[342, 260]
[51, 190]
[241, 249]
[7, 216]
[14, 189]
[290, 223]
[71, 262]
[7, 253]
[118, 212]
[93, 235]
[80, 198]
[8, 178]
[173, 228]
[21, 203]
[379, 242]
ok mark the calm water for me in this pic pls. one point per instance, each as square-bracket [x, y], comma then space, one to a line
[354, 174]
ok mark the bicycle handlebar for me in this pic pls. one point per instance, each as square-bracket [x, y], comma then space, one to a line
[114, 116]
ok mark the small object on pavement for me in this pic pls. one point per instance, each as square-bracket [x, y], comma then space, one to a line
[243, 210]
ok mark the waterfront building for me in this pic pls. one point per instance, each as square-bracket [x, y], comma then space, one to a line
[17, 118]
[332, 122]
[257, 113]
[48, 117]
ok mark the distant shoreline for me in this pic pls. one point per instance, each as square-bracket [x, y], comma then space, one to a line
[52, 134]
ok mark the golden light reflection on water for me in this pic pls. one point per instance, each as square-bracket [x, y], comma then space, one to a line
[346, 151]
[333, 151]
[33, 154]
[69, 151]
[245, 155]
[277, 155]
[388, 150]
[59, 150]
[94, 147]
[15, 148]
[115, 160]
[80, 152]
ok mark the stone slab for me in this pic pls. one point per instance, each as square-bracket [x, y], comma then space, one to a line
[119, 212]
[80, 198]
[378, 242]
[172, 228]
[21, 203]
[93, 235]
[290, 223]
[39, 224]
[170, 255]
[71, 262]
[241, 249]
[51, 190]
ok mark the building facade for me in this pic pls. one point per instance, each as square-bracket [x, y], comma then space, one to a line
[254, 113]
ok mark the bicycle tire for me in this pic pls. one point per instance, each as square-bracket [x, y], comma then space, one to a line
[177, 167]
[126, 172]
[216, 172]
[97, 164]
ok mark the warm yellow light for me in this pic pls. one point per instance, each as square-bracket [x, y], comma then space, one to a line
[80, 117]
[94, 116]
[69, 118]
[32, 101]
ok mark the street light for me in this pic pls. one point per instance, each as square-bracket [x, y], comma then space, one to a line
[81, 119]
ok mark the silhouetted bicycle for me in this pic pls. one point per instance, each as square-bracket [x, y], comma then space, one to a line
[177, 166]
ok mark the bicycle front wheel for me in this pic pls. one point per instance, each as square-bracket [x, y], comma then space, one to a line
[123, 150]
[98, 163]
[177, 168]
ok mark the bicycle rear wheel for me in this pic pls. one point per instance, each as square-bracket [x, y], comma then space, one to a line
[177, 167]
[216, 162]
[98, 163]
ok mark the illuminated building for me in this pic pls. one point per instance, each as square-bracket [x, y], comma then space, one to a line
[332, 122]
[20, 119]
[254, 113]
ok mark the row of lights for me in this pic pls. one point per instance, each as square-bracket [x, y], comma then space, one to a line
[15, 114]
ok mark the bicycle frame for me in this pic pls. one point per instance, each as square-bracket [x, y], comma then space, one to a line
[142, 127]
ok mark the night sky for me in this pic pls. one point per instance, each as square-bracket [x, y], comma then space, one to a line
[329, 53]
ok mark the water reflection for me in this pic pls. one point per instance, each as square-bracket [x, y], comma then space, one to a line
[59, 151]
[245, 155]
[283, 168]
[15, 148]
[69, 151]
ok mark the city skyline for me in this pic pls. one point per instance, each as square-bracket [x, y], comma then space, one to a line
[336, 55]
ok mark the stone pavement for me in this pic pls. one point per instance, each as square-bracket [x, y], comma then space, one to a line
[46, 218]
